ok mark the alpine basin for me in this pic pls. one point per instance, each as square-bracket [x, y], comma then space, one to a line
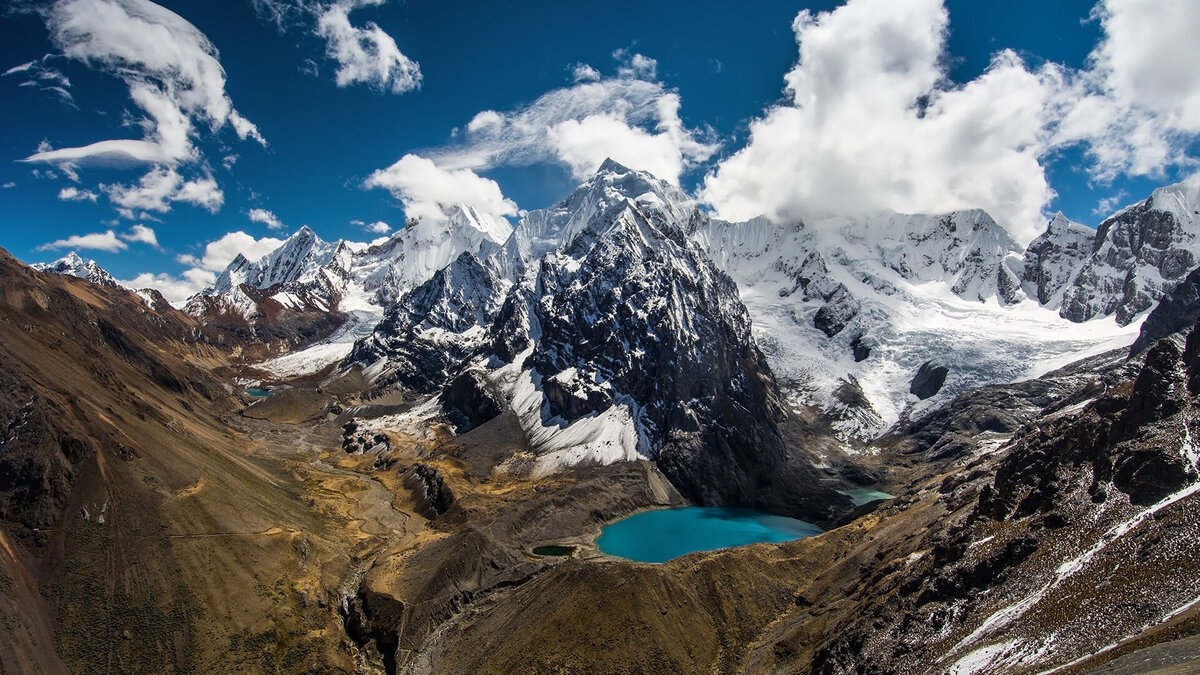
[659, 536]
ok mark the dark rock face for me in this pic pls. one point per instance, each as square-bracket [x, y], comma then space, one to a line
[929, 379]
[429, 489]
[37, 462]
[422, 334]
[1177, 311]
[860, 349]
[1114, 279]
[1053, 257]
[573, 397]
[837, 312]
[1049, 530]
[639, 307]
[467, 402]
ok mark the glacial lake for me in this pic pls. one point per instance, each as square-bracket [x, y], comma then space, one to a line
[258, 393]
[659, 536]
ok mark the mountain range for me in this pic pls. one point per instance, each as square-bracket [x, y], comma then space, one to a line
[846, 310]
[449, 401]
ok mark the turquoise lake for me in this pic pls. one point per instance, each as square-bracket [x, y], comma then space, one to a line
[659, 536]
[258, 393]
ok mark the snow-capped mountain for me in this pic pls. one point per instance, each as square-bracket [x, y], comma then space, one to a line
[349, 283]
[1139, 254]
[848, 311]
[615, 338]
[75, 266]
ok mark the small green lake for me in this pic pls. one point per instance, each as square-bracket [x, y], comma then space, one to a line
[258, 393]
[659, 536]
[865, 496]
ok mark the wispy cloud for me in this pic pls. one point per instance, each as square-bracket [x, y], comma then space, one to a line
[39, 74]
[266, 218]
[172, 74]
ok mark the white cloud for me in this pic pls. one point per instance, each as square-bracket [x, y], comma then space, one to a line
[872, 126]
[872, 123]
[203, 269]
[142, 234]
[631, 118]
[8, 185]
[176, 290]
[170, 67]
[366, 55]
[378, 227]
[173, 75]
[160, 187]
[38, 74]
[636, 65]
[266, 218]
[423, 188]
[585, 73]
[1139, 107]
[74, 194]
[219, 253]
[99, 241]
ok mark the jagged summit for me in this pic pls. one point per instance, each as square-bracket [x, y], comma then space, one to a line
[73, 265]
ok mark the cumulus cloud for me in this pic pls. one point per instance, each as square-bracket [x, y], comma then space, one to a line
[176, 289]
[203, 269]
[74, 194]
[173, 75]
[266, 218]
[98, 241]
[141, 234]
[872, 123]
[1138, 108]
[159, 188]
[378, 227]
[631, 117]
[423, 188]
[585, 73]
[219, 253]
[364, 54]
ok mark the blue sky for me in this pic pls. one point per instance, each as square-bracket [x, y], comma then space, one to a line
[1021, 107]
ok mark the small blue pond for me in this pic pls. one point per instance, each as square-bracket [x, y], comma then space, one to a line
[864, 496]
[259, 393]
[659, 536]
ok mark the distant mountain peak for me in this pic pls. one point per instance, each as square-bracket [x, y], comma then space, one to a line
[75, 266]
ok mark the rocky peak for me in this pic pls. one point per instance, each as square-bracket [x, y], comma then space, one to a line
[541, 231]
[1053, 259]
[75, 266]
[1139, 255]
